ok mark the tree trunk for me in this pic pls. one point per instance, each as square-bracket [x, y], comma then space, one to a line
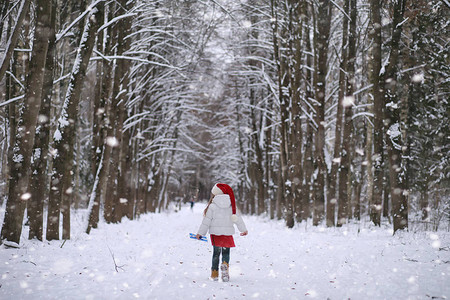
[386, 194]
[39, 181]
[99, 105]
[4, 62]
[348, 102]
[268, 165]
[282, 80]
[258, 177]
[378, 110]
[285, 191]
[258, 181]
[394, 135]
[125, 179]
[154, 188]
[358, 188]
[12, 90]
[61, 182]
[296, 138]
[106, 194]
[4, 6]
[308, 159]
[321, 38]
[424, 202]
[369, 160]
[112, 196]
[337, 159]
[102, 128]
[98, 187]
[19, 192]
[118, 170]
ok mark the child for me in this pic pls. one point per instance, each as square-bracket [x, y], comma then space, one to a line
[219, 218]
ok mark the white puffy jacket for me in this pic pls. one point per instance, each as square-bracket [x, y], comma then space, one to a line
[218, 218]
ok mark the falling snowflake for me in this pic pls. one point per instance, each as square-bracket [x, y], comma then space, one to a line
[418, 78]
[112, 141]
[348, 101]
[25, 196]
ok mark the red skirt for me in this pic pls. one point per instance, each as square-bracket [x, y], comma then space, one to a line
[222, 241]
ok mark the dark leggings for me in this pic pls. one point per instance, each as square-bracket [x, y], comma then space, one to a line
[216, 254]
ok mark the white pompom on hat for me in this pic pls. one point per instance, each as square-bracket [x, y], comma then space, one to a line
[216, 190]
[222, 188]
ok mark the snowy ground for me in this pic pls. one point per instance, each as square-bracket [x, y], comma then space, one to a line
[155, 259]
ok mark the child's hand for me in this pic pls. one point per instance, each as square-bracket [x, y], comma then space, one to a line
[244, 233]
[198, 236]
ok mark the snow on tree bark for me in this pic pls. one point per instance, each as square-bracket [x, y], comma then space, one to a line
[394, 138]
[4, 62]
[39, 180]
[378, 110]
[321, 38]
[61, 181]
[19, 192]
[347, 102]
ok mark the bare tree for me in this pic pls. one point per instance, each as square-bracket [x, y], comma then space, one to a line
[395, 140]
[61, 182]
[23, 10]
[20, 164]
[347, 102]
[39, 180]
[337, 158]
[378, 110]
[321, 38]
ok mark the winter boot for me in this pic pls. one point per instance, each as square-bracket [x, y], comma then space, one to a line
[225, 275]
[215, 275]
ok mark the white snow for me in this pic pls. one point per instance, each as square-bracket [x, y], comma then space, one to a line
[392, 105]
[57, 136]
[11, 100]
[418, 78]
[246, 24]
[393, 133]
[25, 196]
[153, 258]
[348, 101]
[337, 160]
[17, 158]
[114, 20]
[112, 141]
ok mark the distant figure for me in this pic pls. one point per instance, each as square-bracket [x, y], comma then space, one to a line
[219, 218]
[192, 204]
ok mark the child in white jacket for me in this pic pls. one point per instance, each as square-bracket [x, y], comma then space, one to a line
[219, 218]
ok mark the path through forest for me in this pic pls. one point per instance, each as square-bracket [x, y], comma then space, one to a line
[153, 258]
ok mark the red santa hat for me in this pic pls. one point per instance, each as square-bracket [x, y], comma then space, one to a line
[222, 188]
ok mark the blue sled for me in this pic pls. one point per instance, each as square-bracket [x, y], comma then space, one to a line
[203, 238]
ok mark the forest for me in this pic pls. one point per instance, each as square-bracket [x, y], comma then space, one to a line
[321, 111]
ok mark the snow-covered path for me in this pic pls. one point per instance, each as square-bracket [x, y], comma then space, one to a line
[156, 260]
